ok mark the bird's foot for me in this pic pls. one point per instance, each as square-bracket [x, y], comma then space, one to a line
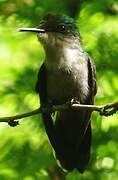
[47, 108]
[73, 101]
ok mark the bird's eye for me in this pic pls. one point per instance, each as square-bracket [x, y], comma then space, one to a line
[62, 28]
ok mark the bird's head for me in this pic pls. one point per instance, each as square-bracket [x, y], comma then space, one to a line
[55, 28]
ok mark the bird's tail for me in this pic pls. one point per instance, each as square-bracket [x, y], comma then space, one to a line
[74, 141]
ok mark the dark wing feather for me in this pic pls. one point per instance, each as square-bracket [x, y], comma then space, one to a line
[40, 86]
[41, 89]
[92, 78]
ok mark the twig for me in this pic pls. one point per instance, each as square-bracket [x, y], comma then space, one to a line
[106, 110]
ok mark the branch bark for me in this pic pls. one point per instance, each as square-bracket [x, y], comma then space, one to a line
[106, 110]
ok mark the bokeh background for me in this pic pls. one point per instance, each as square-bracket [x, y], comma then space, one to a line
[25, 153]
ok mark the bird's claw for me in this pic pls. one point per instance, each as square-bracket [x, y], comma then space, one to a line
[47, 108]
[73, 101]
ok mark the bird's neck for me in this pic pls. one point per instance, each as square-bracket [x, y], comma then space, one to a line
[63, 54]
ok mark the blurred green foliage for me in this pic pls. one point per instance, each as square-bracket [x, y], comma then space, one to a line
[25, 153]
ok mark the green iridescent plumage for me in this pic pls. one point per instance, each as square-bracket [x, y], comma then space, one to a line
[60, 23]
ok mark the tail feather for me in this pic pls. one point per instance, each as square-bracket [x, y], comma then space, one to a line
[74, 151]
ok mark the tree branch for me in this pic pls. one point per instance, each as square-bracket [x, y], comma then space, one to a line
[106, 110]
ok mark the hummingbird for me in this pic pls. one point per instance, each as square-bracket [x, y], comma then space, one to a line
[66, 75]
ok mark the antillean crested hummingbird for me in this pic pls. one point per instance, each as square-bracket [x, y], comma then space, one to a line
[67, 74]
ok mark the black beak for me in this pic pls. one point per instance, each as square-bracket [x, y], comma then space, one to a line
[31, 30]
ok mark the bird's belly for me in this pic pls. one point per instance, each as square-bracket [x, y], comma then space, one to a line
[62, 87]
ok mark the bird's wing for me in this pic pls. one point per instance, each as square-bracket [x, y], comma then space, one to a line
[92, 78]
[41, 89]
[40, 86]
